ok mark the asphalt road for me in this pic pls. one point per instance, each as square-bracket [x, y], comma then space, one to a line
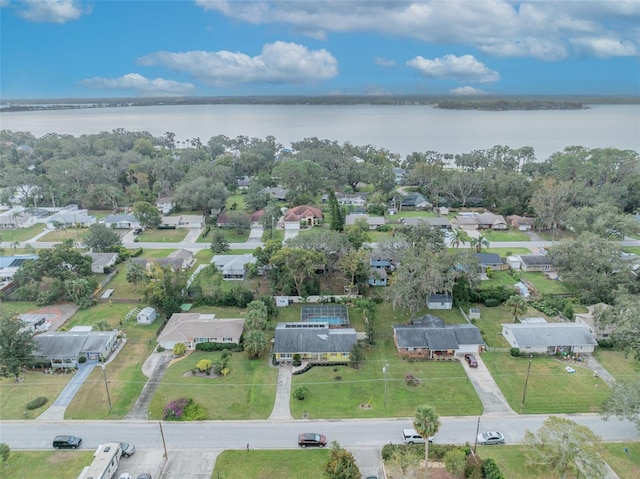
[266, 434]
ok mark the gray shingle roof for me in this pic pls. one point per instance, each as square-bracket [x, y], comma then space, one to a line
[292, 338]
[535, 259]
[437, 338]
[550, 334]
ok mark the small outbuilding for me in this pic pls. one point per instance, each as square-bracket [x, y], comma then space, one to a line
[147, 316]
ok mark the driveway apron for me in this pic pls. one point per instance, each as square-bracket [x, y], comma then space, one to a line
[154, 367]
[492, 399]
[55, 412]
[281, 407]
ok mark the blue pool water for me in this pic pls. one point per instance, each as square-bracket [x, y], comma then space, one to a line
[320, 319]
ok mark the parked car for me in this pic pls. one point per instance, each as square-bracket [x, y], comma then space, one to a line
[127, 449]
[125, 475]
[491, 437]
[310, 439]
[66, 442]
[411, 436]
[144, 475]
[137, 231]
[471, 360]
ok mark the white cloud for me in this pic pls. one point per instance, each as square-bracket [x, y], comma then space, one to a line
[51, 11]
[605, 47]
[384, 62]
[140, 84]
[279, 62]
[464, 68]
[466, 90]
[547, 30]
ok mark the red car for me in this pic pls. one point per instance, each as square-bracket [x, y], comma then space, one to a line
[311, 439]
[471, 360]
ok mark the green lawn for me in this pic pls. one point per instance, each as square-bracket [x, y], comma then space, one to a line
[632, 249]
[124, 373]
[344, 392]
[545, 285]
[162, 236]
[75, 234]
[15, 396]
[21, 234]
[282, 464]
[500, 278]
[507, 235]
[238, 200]
[17, 307]
[512, 461]
[619, 367]
[247, 392]
[550, 389]
[49, 464]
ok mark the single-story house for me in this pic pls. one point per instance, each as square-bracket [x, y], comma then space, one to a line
[372, 221]
[434, 339]
[304, 214]
[550, 338]
[233, 266]
[277, 193]
[193, 328]
[127, 221]
[436, 222]
[9, 266]
[440, 301]
[147, 316]
[187, 257]
[65, 219]
[521, 223]
[379, 261]
[536, 262]
[315, 342]
[100, 261]
[169, 222]
[62, 349]
[16, 218]
[191, 221]
[488, 220]
[415, 200]
[173, 263]
[588, 320]
[350, 200]
[489, 260]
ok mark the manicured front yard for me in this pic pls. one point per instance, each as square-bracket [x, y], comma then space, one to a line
[49, 464]
[163, 236]
[545, 285]
[343, 392]
[21, 234]
[550, 389]
[247, 392]
[621, 368]
[75, 234]
[283, 464]
[15, 396]
[507, 235]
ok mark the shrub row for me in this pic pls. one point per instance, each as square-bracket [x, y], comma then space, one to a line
[209, 346]
[37, 402]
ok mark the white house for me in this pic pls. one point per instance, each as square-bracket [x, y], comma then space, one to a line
[100, 261]
[193, 328]
[233, 267]
[147, 316]
[550, 338]
[64, 219]
[127, 221]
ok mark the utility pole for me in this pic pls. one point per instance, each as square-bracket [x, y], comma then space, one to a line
[164, 444]
[475, 444]
[385, 369]
[106, 384]
[526, 382]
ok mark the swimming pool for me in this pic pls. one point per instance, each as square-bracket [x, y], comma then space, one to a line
[330, 320]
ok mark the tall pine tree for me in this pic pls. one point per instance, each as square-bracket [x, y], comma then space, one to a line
[337, 214]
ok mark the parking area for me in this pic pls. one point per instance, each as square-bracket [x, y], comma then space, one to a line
[144, 460]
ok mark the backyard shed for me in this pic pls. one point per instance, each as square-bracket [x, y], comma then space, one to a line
[147, 316]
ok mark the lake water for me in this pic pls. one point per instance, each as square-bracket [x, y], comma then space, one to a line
[399, 129]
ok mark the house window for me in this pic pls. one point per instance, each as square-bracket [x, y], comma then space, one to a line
[227, 340]
[200, 340]
[547, 267]
[411, 349]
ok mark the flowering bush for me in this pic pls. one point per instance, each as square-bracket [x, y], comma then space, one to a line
[174, 411]
[184, 409]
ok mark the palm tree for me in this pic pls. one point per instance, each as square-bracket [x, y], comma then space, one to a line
[517, 305]
[479, 243]
[426, 424]
[459, 236]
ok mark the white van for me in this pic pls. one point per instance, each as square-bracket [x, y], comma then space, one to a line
[410, 436]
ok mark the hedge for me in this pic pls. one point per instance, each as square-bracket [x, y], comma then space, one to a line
[37, 402]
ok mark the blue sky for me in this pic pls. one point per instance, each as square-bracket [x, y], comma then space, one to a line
[92, 49]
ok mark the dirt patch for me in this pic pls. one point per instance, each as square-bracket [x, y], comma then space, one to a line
[200, 374]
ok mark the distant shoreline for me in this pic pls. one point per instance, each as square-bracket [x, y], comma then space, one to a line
[486, 103]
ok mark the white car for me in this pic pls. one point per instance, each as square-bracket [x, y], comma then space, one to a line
[411, 436]
[490, 437]
[125, 475]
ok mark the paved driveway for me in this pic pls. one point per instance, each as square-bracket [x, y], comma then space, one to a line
[492, 399]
